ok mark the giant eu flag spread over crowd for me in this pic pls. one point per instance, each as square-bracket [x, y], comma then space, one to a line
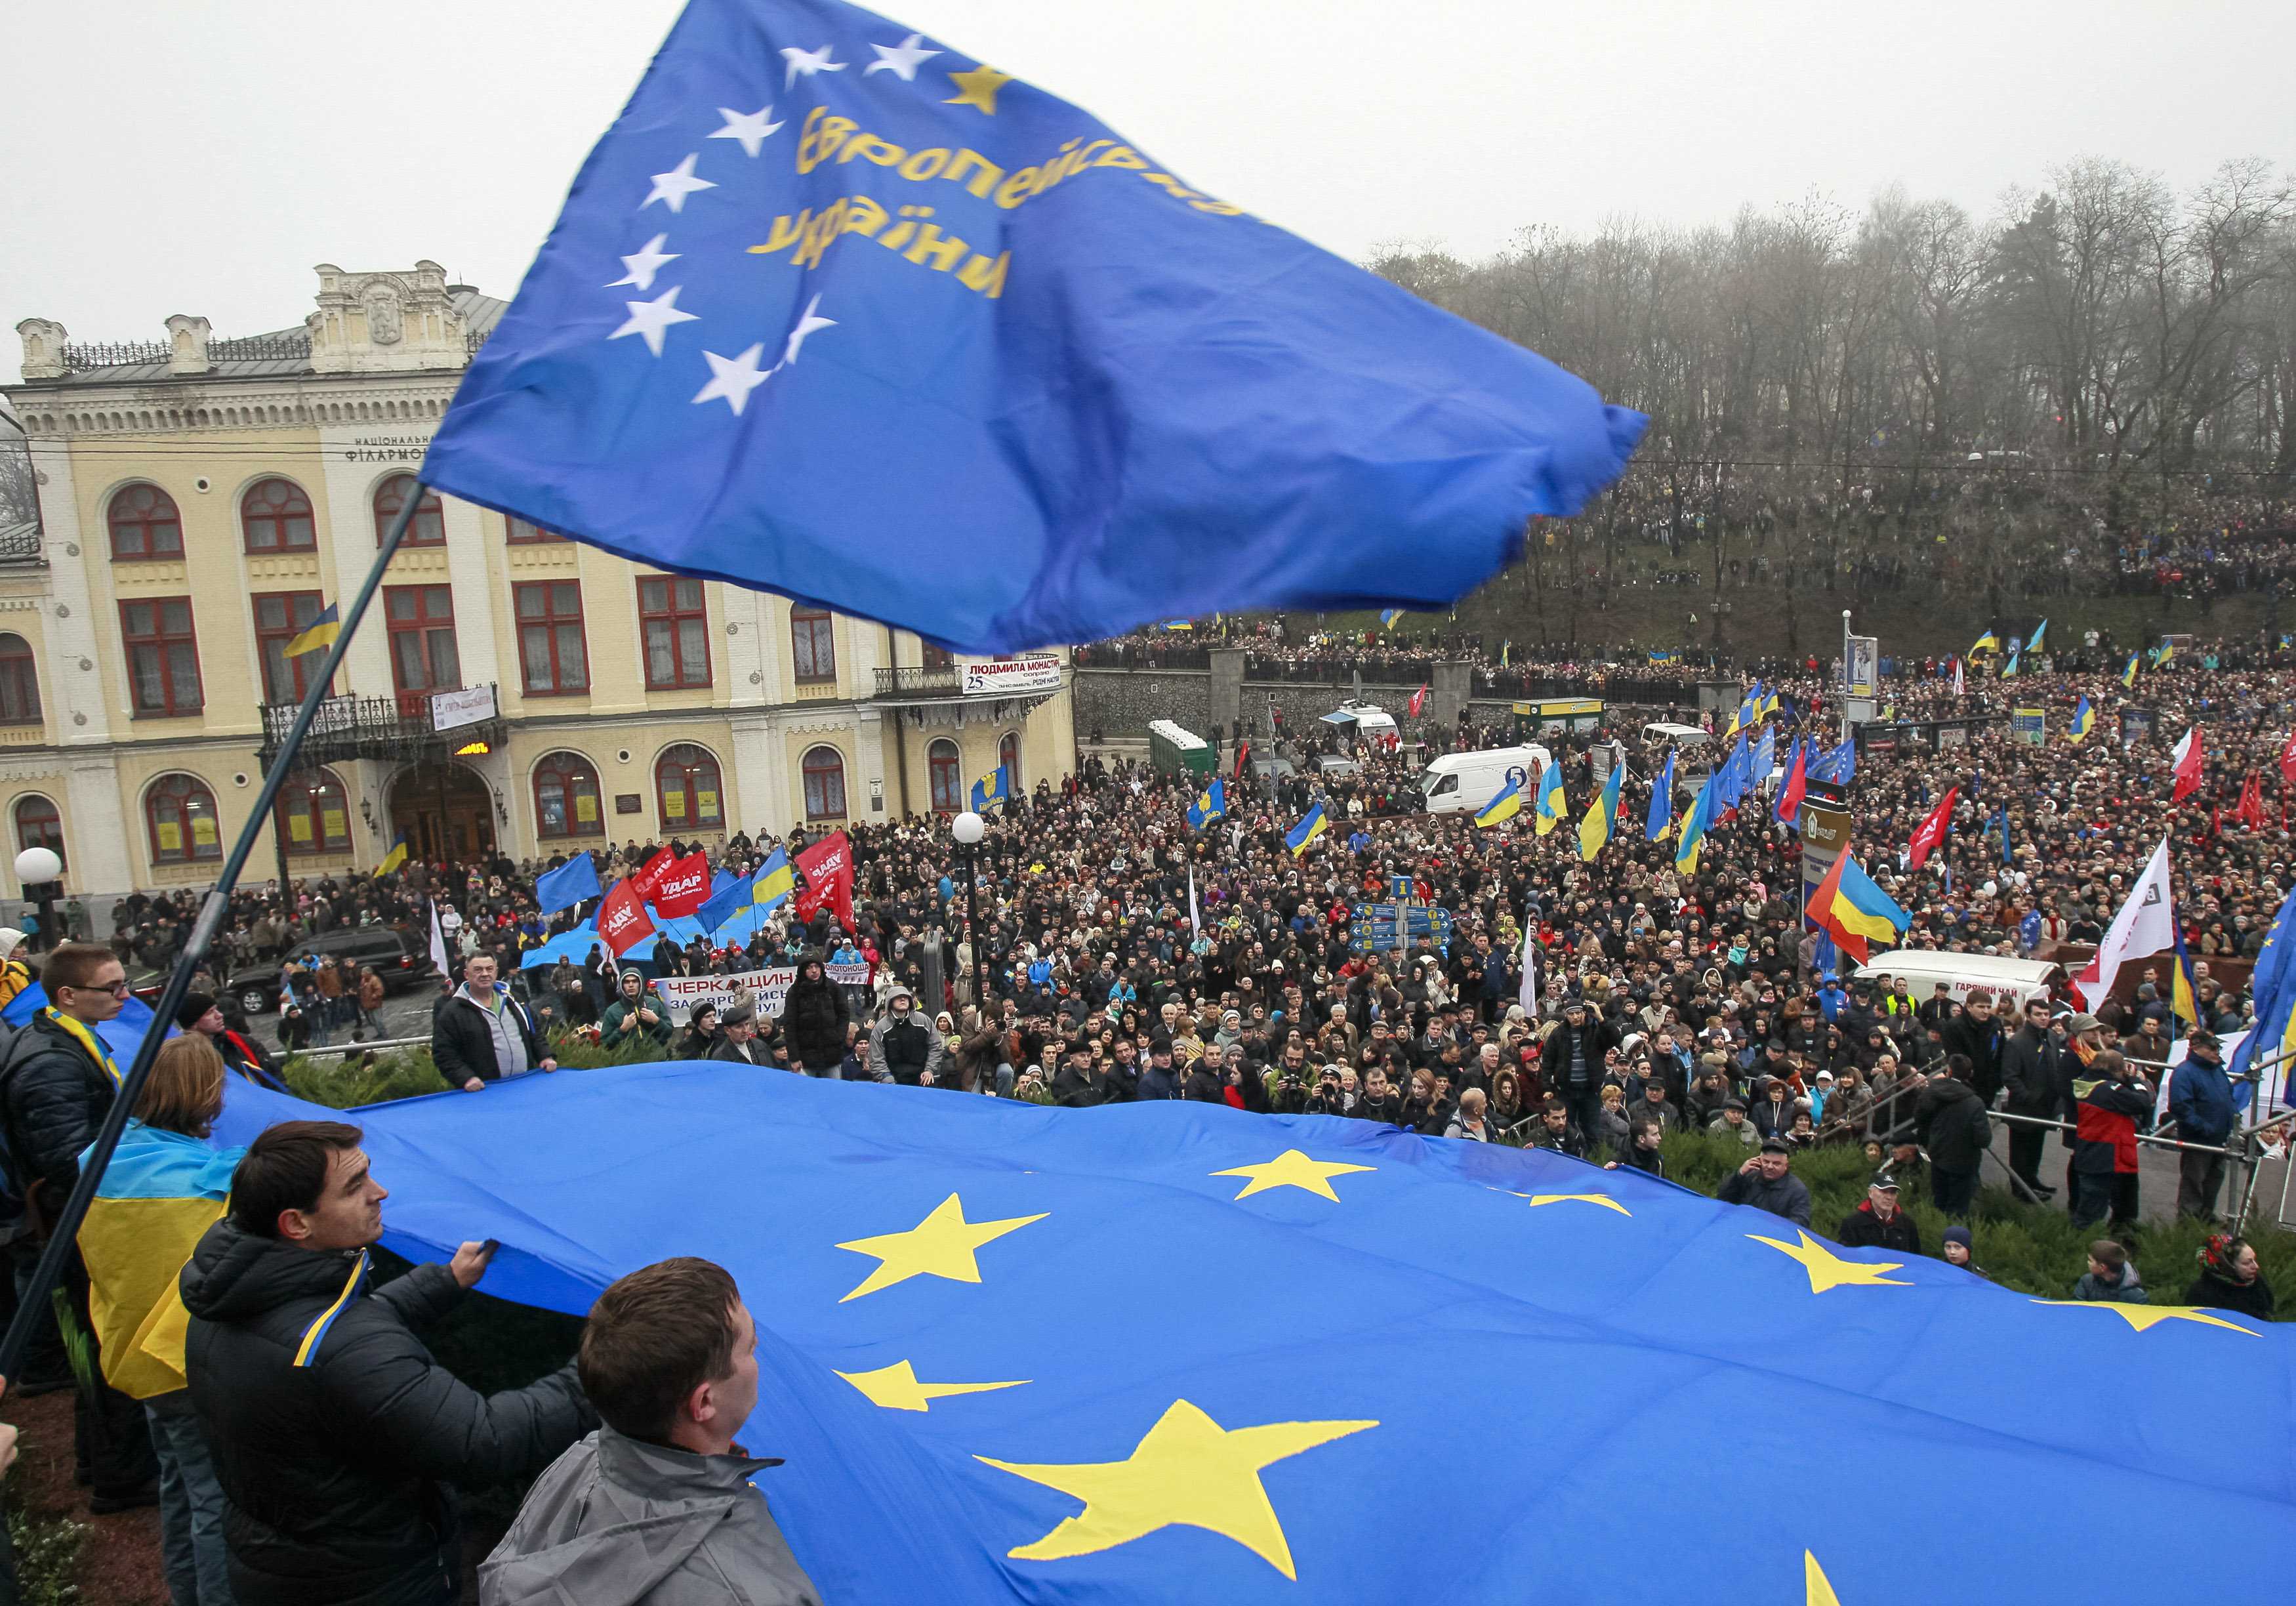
[839, 311]
[1168, 1351]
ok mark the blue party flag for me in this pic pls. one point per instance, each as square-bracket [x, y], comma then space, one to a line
[572, 882]
[738, 893]
[1211, 804]
[993, 788]
[805, 288]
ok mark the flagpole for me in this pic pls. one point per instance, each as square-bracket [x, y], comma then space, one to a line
[34, 1299]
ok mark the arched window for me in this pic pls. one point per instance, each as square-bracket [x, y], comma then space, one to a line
[181, 811]
[1008, 755]
[813, 644]
[145, 524]
[825, 784]
[946, 769]
[428, 527]
[566, 798]
[687, 791]
[276, 516]
[38, 826]
[20, 682]
[311, 816]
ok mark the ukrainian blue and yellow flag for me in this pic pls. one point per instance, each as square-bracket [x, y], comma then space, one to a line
[1661, 804]
[1388, 616]
[2163, 653]
[395, 858]
[773, 881]
[1695, 819]
[1211, 804]
[993, 788]
[161, 1191]
[320, 632]
[1306, 830]
[2128, 674]
[2273, 987]
[2009, 669]
[1987, 643]
[2039, 630]
[1503, 807]
[2182, 998]
[2084, 722]
[1551, 805]
[1594, 829]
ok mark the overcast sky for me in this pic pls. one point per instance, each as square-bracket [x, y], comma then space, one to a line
[199, 156]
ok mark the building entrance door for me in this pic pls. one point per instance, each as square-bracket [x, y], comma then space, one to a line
[446, 813]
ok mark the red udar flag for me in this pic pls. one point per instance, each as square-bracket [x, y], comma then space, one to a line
[623, 922]
[2189, 759]
[828, 868]
[686, 889]
[1931, 831]
[650, 873]
[2288, 760]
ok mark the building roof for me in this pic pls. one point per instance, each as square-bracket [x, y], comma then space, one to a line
[281, 353]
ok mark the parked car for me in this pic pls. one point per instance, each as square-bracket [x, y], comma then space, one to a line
[1334, 764]
[400, 961]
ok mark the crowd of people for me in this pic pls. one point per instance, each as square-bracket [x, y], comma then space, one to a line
[1122, 955]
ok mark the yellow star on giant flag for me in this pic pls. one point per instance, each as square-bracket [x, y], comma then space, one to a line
[2144, 1318]
[1188, 1471]
[1604, 1200]
[1828, 1270]
[1818, 1589]
[1292, 1169]
[896, 1387]
[941, 1245]
[978, 87]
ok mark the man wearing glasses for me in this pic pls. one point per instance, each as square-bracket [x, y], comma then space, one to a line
[57, 1082]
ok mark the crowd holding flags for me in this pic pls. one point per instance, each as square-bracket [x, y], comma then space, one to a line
[1211, 804]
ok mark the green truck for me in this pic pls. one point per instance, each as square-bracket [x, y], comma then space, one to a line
[1173, 749]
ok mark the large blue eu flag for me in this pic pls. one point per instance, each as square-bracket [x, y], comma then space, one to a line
[1171, 1351]
[839, 311]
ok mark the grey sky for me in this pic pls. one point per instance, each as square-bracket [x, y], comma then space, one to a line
[200, 156]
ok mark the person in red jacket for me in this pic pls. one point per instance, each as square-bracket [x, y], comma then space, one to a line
[2110, 1101]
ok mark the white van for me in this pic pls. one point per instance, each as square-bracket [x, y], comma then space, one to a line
[1466, 783]
[2013, 982]
[1694, 746]
[1362, 721]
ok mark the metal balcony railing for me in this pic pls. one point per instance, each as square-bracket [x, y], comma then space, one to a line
[943, 682]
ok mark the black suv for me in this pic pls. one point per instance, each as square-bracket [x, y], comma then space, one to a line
[400, 961]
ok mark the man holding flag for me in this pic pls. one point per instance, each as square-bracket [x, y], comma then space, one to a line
[1602, 814]
[1551, 805]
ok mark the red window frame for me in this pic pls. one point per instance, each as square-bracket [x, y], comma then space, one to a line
[569, 774]
[813, 646]
[823, 769]
[41, 827]
[309, 796]
[173, 799]
[282, 522]
[286, 679]
[525, 532]
[20, 681]
[673, 627]
[1008, 756]
[945, 774]
[553, 652]
[161, 653]
[686, 771]
[421, 636]
[150, 515]
[428, 527]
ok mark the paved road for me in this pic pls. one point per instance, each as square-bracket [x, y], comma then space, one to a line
[405, 1015]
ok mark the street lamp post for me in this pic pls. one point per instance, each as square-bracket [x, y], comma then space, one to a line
[37, 870]
[967, 828]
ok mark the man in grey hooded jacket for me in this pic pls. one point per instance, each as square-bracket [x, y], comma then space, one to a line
[659, 1507]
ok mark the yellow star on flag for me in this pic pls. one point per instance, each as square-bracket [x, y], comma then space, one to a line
[941, 1245]
[1292, 1169]
[2144, 1318]
[1828, 1270]
[896, 1387]
[978, 87]
[1604, 1200]
[1188, 1471]
[1818, 1589]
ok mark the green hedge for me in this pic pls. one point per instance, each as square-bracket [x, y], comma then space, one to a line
[339, 1081]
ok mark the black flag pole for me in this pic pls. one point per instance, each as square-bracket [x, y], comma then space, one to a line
[34, 1300]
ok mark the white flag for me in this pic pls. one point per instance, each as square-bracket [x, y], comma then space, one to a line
[1196, 923]
[2146, 926]
[439, 943]
[1529, 992]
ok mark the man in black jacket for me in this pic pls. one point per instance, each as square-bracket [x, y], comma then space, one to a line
[1079, 1084]
[57, 1082]
[1571, 1063]
[2032, 1069]
[480, 1034]
[1878, 1224]
[814, 1015]
[1953, 1126]
[333, 1431]
[1765, 1183]
[1974, 1032]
